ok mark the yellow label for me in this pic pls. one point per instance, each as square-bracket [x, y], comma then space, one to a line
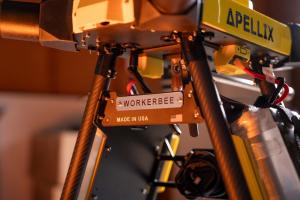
[233, 18]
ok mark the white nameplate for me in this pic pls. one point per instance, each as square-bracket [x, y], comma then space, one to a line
[150, 101]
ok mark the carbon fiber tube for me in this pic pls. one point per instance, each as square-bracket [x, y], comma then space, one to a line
[84, 142]
[215, 118]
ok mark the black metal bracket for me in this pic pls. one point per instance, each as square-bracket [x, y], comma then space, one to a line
[169, 184]
[168, 155]
[107, 60]
[105, 67]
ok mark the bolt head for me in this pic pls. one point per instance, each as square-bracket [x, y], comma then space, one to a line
[196, 114]
[100, 118]
[157, 148]
[144, 191]
[108, 149]
[190, 38]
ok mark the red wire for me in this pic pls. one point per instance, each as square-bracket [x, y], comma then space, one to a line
[263, 77]
[255, 75]
[129, 86]
[284, 95]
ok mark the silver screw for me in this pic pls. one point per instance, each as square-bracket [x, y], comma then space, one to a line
[157, 148]
[196, 114]
[87, 35]
[190, 94]
[144, 191]
[100, 118]
[108, 149]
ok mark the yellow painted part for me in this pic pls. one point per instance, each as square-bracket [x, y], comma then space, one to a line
[150, 67]
[243, 2]
[168, 164]
[248, 169]
[89, 14]
[224, 57]
[215, 15]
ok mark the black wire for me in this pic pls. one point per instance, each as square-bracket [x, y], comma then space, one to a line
[275, 94]
[140, 79]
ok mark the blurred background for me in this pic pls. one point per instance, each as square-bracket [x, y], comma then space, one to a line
[42, 97]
